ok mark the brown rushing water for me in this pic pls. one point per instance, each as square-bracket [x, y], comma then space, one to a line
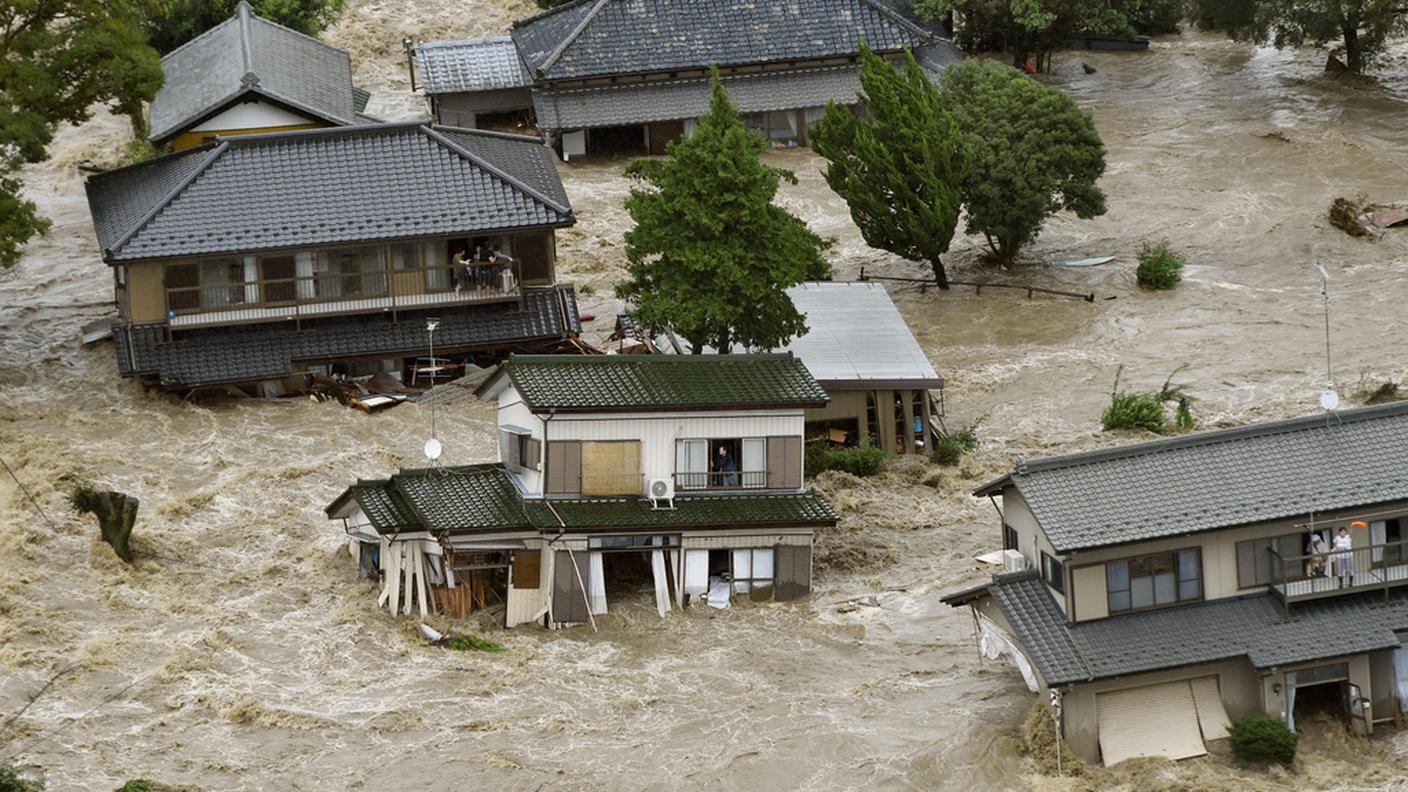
[257, 661]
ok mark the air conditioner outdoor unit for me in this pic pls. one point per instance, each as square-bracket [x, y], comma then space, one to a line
[1013, 561]
[661, 490]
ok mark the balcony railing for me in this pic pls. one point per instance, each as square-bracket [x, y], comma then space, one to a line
[331, 294]
[728, 480]
[1315, 575]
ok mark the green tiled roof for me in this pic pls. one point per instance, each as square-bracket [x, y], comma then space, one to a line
[483, 498]
[662, 382]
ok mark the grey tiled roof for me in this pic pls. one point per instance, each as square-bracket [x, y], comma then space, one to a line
[484, 498]
[1218, 479]
[639, 103]
[250, 353]
[333, 186]
[596, 37]
[1253, 627]
[485, 64]
[654, 382]
[249, 55]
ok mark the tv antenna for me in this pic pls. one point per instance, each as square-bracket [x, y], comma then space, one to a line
[433, 448]
[1329, 398]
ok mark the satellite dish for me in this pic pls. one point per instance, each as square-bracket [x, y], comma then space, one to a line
[433, 449]
[1329, 399]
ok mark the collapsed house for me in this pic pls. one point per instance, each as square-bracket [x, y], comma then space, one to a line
[1159, 591]
[248, 75]
[631, 75]
[261, 258]
[616, 472]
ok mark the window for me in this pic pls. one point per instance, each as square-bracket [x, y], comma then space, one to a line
[1010, 541]
[1154, 581]
[752, 569]
[1053, 572]
[519, 449]
[733, 463]
[1254, 559]
[1386, 538]
[350, 272]
[404, 257]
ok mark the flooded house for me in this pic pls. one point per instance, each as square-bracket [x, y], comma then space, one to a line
[255, 260]
[631, 75]
[248, 75]
[680, 475]
[1159, 591]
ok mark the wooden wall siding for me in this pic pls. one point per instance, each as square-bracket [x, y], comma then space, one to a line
[564, 467]
[569, 601]
[722, 542]
[792, 572]
[843, 404]
[611, 468]
[146, 295]
[785, 462]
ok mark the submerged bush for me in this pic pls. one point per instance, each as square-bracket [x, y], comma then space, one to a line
[1146, 410]
[860, 461]
[952, 446]
[136, 785]
[1159, 267]
[12, 781]
[1262, 738]
[464, 643]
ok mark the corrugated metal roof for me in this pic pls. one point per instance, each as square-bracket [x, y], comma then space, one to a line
[247, 54]
[332, 186]
[1218, 479]
[596, 37]
[640, 103]
[485, 64]
[856, 336]
[652, 382]
[1254, 627]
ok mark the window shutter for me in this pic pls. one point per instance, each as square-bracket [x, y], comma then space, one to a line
[792, 462]
[533, 451]
[777, 454]
[564, 467]
[508, 448]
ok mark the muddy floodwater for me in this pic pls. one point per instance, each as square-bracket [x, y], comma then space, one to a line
[242, 652]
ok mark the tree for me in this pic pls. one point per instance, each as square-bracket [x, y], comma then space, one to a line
[61, 58]
[711, 254]
[901, 166]
[1031, 28]
[1032, 153]
[171, 23]
[1362, 26]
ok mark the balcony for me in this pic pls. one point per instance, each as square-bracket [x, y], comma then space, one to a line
[335, 294]
[1316, 575]
[721, 481]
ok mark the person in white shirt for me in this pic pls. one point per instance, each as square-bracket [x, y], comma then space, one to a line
[1344, 557]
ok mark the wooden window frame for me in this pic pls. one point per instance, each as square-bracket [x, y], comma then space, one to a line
[1177, 580]
[1011, 540]
[1053, 571]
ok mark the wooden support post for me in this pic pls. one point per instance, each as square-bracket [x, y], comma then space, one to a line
[907, 411]
[885, 415]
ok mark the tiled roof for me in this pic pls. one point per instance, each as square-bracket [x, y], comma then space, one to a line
[596, 37]
[248, 353]
[1218, 479]
[1254, 627]
[484, 498]
[249, 55]
[485, 64]
[335, 186]
[640, 103]
[659, 382]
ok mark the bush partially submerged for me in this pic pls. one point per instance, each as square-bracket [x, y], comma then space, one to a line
[860, 461]
[137, 785]
[951, 447]
[464, 643]
[12, 781]
[1147, 410]
[1263, 739]
[1159, 267]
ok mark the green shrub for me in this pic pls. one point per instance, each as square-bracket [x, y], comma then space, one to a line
[464, 643]
[1264, 739]
[951, 447]
[860, 461]
[12, 781]
[1155, 17]
[1134, 411]
[136, 785]
[1159, 267]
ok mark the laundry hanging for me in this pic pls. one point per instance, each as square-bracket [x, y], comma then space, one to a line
[662, 586]
[596, 585]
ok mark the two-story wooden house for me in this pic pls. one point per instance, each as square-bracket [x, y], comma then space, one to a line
[679, 472]
[1174, 586]
[630, 75]
[258, 257]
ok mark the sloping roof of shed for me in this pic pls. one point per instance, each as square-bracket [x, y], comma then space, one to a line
[331, 186]
[596, 37]
[247, 54]
[856, 336]
[604, 383]
[1217, 479]
[1253, 627]
[483, 64]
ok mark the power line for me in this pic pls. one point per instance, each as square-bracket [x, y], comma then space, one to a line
[32, 501]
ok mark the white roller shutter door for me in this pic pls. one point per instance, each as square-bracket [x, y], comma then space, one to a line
[1156, 720]
[1212, 717]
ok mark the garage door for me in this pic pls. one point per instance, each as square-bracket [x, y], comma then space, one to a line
[1157, 720]
[1212, 717]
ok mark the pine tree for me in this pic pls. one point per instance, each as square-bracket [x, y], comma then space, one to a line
[711, 255]
[900, 167]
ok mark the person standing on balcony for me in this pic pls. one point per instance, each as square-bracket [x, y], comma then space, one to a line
[1319, 550]
[1344, 556]
[726, 468]
[460, 268]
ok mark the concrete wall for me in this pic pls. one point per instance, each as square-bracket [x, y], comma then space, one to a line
[462, 109]
[1032, 540]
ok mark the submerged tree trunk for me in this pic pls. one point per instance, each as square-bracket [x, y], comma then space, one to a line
[116, 513]
[940, 274]
[1353, 52]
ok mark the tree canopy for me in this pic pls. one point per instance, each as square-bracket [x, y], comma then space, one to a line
[171, 23]
[61, 58]
[901, 166]
[1033, 29]
[1363, 27]
[1032, 153]
[711, 254]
